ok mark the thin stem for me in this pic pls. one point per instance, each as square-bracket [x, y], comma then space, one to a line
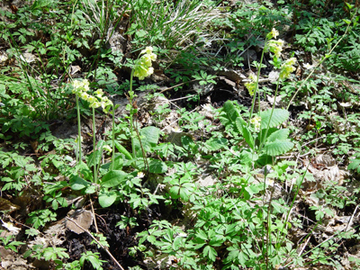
[113, 137]
[131, 96]
[79, 130]
[257, 82]
[94, 144]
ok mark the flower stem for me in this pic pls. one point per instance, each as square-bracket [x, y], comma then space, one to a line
[113, 137]
[94, 144]
[79, 130]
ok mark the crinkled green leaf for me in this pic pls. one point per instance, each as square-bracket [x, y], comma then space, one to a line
[279, 116]
[278, 147]
[281, 135]
[231, 111]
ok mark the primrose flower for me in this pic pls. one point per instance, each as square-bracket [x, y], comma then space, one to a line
[273, 34]
[80, 88]
[287, 68]
[251, 86]
[143, 67]
[275, 46]
[256, 122]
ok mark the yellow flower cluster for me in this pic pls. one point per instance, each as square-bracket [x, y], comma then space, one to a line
[256, 122]
[275, 46]
[143, 67]
[251, 86]
[287, 68]
[80, 88]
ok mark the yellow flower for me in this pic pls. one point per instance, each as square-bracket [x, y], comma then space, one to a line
[251, 86]
[275, 46]
[142, 66]
[256, 122]
[287, 68]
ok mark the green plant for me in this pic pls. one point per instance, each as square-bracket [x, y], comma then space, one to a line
[168, 24]
[9, 241]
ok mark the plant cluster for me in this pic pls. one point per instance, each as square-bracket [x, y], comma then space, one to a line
[228, 186]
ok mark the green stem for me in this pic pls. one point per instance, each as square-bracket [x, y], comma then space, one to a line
[79, 130]
[257, 83]
[94, 144]
[113, 137]
[131, 96]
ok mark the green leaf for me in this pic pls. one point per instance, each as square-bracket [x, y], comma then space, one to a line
[113, 178]
[215, 144]
[123, 150]
[281, 135]
[95, 157]
[178, 243]
[150, 136]
[210, 253]
[279, 116]
[278, 147]
[174, 192]
[107, 198]
[354, 165]
[231, 111]
[78, 183]
[242, 128]
[157, 166]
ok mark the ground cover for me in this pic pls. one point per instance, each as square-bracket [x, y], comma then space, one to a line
[179, 134]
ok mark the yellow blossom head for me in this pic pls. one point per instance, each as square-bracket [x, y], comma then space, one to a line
[287, 68]
[256, 122]
[143, 65]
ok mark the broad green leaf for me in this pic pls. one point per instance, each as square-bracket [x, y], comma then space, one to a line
[149, 138]
[157, 166]
[107, 198]
[178, 243]
[281, 135]
[113, 178]
[231, 111]
[278, 147]
[78, 183]
[278, 117]
[242, 128]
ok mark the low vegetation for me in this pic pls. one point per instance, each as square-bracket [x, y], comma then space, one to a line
[179, 134]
